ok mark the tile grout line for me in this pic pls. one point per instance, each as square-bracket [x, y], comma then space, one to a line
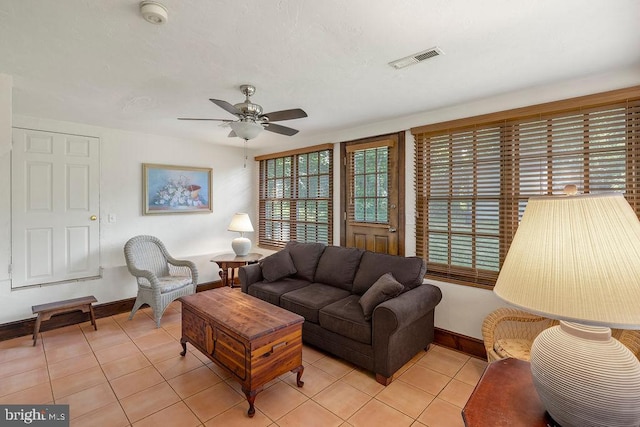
[107, 379]
[371, 395]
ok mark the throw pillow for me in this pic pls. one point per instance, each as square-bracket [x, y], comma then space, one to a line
[277, 266]
[305, 257]
[337, 266]
[385, 288]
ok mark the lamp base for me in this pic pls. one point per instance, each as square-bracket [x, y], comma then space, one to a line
[241, 246]
[586, 378]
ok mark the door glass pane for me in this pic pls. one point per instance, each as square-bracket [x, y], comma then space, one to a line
[370, 185]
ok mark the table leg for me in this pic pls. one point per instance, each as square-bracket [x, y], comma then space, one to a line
[232, 282]
[183, 341]
[299, 371]
[36, 329]
[93, 317]
[251, 398]
[224, 274]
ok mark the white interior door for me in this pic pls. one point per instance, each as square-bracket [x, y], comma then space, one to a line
[55, 183]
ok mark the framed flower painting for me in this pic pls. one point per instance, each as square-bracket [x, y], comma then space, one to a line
[175, 189]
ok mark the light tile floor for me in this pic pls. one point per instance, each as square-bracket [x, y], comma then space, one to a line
[129, 373]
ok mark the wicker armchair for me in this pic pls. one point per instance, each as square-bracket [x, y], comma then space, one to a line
[508, 332]
[161, 278]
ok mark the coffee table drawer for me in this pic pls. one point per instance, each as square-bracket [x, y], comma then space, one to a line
[230, 352]
[194, 328]
[277, 357]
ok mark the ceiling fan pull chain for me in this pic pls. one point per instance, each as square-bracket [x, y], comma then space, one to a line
[245, 153]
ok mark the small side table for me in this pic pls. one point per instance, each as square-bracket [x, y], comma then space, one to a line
[505, 397]
[231, 262]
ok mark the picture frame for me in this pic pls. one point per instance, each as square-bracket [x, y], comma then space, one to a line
[169, 189]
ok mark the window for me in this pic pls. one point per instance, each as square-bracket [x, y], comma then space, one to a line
[296, 197]
[370, 185]
[474, 176]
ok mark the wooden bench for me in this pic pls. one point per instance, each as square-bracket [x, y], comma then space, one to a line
[45, 311]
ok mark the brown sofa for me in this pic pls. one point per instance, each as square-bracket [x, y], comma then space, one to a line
[352, 307]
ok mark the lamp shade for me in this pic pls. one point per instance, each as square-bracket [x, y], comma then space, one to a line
[240, 222]
[576, 258]
[246, 129]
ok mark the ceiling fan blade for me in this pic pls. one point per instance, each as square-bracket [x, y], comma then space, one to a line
[277, 116]
[226, 106]
[272, 127]
[232, 134]
[214, 120]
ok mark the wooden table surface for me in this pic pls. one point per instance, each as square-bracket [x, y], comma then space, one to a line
[506, 397]
[248, 316]
[232, 261]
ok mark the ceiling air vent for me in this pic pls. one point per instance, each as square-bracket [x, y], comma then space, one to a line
[416, 57]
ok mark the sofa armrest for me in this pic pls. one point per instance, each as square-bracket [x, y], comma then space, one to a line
[249, 274]
[399, 312]
[402, 327]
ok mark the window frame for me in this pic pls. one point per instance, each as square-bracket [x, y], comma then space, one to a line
[294, 196]
[509, 197]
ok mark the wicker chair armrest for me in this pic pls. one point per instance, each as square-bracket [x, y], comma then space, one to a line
[186, 266]
[505, 314]
[147, 274]
[631, 340]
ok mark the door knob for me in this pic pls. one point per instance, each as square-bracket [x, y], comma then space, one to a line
[93, 217]
[392, 230]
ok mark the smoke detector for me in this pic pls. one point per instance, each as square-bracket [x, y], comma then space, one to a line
[416, 58]
[153, 12]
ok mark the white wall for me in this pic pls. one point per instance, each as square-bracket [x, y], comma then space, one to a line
[192, 236]
[5, 176]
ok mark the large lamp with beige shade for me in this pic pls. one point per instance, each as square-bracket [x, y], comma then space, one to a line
[576, 258]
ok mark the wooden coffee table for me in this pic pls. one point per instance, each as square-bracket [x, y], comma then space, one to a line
[251, 339]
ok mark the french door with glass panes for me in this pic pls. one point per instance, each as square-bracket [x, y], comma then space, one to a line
[372, 187]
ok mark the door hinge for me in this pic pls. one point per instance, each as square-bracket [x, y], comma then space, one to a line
[10, 269]
[344, 161]
[344, 216]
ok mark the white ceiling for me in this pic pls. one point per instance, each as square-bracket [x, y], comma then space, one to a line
[98, 62]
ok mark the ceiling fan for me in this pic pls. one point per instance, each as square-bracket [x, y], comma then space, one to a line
[251, 121]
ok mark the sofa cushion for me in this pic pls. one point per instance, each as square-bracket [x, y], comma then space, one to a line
[338, 265]
[272, 291]
[305, 257]
[409, 271]
[277, 266]
[345, 317]
[309, 300]
[385, 288]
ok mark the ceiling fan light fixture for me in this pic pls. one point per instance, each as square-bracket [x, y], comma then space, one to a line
[153, 12]
[246, 129]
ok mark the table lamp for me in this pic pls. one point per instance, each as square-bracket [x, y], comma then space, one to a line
[576, 258]
[241, 223]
